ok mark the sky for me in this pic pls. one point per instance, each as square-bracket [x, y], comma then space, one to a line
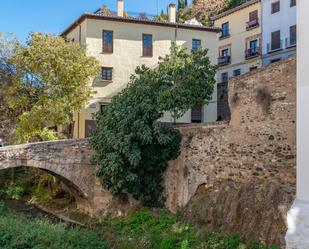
[52, 16]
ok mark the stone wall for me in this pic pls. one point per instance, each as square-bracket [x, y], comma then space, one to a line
[239, 177]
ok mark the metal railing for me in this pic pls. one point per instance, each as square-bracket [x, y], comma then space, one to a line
[224, 60]
[252, 52]
[274, 47]
[290, 42]
[252, 24]
[225, 33]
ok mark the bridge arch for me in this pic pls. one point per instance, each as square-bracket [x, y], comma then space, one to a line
[69, 160]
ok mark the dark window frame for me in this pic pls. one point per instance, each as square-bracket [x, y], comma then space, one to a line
[275, 7]
[196, 44]
[293, 35]
[225, 31]
[223, 52]
[237, 72]
[224, 77]
[107, 76]
[274, 41]
[292, 3]
[107, 47]
[147, 48]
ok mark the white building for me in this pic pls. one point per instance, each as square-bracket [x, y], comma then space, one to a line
[278, 30]
[121, 42]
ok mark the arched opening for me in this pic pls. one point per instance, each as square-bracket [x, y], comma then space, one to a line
[44, 188]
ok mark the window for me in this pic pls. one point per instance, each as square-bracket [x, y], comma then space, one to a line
[225, 30]
[102, 107]
[237, 72]
[147, 45]
[253, 15]
[254, 45]
[107, 73]
[293, 3]
[107, 41]
[292, 35]
[275, 7]
[224, 77]
[253, 68]
[225, 52]
[275, 40]
[196, 44]
[196, 114]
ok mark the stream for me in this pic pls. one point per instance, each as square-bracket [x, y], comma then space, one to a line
[32, 211]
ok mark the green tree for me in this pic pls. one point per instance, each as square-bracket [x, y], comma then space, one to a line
[232, 3]
[8, 116]
[50, 81]
[132, 146]
[182, 4]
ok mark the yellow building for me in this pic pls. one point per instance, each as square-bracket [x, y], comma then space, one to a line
[121, 43]
[239, 46]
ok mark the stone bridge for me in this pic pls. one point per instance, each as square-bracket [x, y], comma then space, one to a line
[68, 160]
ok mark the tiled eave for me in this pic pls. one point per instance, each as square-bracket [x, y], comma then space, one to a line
[233, 10]
[137, 21]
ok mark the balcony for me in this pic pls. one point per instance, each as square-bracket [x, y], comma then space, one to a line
[290, 42]
[253, 24]
[224, 60]
[225, 34]
[252, 53]
[274, 47]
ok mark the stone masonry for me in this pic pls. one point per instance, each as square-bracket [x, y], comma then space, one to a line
[239, 177]
[69, 160]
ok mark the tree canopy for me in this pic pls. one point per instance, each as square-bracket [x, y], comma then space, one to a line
[132, 146]
[49, 81]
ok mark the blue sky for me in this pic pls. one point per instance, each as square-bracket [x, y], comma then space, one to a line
[53, 16]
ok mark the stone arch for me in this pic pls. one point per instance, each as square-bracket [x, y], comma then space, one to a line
[69, 160]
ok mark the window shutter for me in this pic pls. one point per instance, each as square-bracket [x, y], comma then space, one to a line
[253, 15]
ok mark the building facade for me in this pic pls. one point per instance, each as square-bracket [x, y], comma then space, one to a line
[239, 46]
[122, 43]
[278, 30]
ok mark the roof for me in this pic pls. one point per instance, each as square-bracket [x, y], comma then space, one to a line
[137, 21]
[235, 9]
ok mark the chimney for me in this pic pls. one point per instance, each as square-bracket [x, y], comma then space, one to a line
[172, 12]
[120, 8]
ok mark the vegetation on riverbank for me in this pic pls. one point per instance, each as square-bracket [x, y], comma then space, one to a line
[19, 232]
[158, 229]
[142, 229]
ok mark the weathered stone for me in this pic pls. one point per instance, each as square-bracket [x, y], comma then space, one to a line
[257, 148]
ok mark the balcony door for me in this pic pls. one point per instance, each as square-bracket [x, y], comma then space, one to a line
[275, 40]
[196, 114]
[254, 46]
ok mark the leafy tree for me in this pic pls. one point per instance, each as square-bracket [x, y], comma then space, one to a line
[181, 4]
[132, 146]
[232, 3]
[8, 116]
[50, 81]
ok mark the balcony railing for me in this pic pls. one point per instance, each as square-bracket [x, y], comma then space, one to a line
[274, 47]
[224, 60]
[225, 34]
[253, 24]
[290, 42]
[252, 52]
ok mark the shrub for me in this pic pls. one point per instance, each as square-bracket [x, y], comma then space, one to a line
[132, 147]
[19, 233]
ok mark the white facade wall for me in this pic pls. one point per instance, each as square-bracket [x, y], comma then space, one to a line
[282, 21]
[127, 55]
